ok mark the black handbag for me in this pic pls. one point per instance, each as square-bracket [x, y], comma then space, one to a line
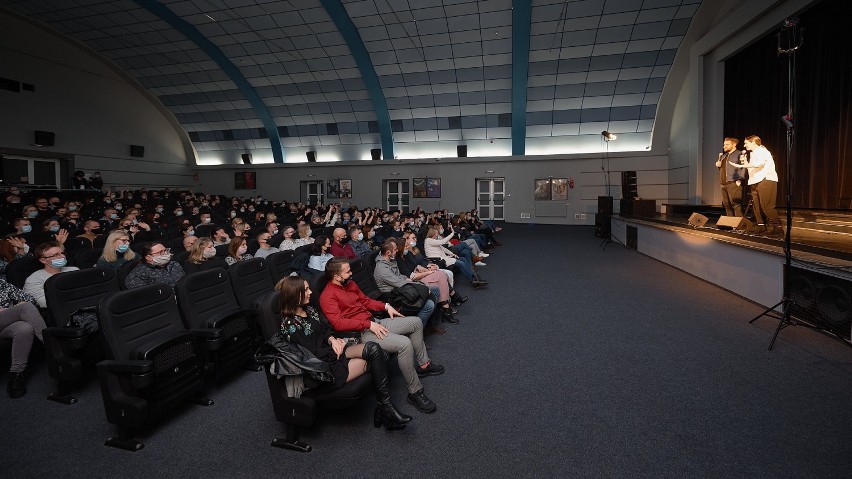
[84, 318]
[412, 295]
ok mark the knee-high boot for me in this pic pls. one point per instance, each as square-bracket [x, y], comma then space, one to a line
[386, 413]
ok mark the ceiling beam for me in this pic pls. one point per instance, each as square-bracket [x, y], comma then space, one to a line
[521, 25]
[233, 72]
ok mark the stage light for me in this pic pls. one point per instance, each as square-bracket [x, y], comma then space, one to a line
[607, 136]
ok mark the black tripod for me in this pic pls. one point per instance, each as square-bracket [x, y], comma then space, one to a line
[792, 35]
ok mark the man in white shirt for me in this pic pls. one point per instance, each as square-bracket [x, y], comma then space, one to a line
[763, 183]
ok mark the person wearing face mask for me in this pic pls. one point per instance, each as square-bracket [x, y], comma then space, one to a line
[52, 255]
[237, 251]
[320, 254]
[116, 251]
[265, 249]
[356, 241]
[289, 242]
[91, 230]
[340, 250]
[156, 266]
[53, 231]
[109, 219]
[23, 226]
[202, 256]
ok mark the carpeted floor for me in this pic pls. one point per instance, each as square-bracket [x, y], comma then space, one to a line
[574, 362]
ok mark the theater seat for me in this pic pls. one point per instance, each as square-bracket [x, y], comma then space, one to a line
[303, 411]
[158, 364]
[206, 301]
[68, 347]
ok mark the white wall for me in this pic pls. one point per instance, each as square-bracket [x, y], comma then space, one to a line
[96, 110]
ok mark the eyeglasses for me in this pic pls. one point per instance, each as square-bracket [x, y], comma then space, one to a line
[57, 255]
[157, 253]
[123, 240]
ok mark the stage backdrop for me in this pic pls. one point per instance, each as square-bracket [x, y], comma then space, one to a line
[756, 99]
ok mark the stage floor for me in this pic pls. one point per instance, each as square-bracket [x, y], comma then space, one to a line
[820, 237]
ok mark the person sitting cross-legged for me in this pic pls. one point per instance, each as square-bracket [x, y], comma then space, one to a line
[349, 309]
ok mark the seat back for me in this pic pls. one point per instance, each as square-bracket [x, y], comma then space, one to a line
[20, 269]
[144, 323]
[87, 258]
[250, 280]
[279, 265]
[73, 247]
[134, 320]
[124, 270]
[363, 277]
[204, 297]
[206, 300]
[222, 250]
[70, 291]
[268, 314]
[317, 283]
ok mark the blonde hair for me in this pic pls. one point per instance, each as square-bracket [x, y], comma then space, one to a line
[303, 230]
[196, 252]
[110, 253]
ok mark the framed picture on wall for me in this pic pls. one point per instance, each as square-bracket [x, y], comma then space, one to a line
[332, 189]
[345, 188]
[542, 190]
[433, 187]
[419, 187]
[245, 180]
[559, 189]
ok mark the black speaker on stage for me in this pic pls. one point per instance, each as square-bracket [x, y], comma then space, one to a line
[461, 151]
[822, 300]
[137, 150]
[629, 185]
[603, 223]
[376, 153]
[43, 138]
[312, 156]
[246, 158]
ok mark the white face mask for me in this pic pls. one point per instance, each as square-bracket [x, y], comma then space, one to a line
[242, 250]
[162, 260]
[412, 244]
[208, 253]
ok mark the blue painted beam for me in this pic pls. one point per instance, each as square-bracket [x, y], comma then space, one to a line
[227, 66]
[344, 24]
[521, 25]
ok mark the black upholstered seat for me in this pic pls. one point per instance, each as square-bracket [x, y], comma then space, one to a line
[68, 347]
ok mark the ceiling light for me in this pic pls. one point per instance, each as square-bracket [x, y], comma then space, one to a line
[607, 136]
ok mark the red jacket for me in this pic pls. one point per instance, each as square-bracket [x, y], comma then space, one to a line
[347, 308]
[342, 251]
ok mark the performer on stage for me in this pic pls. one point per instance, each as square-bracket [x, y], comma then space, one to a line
[731, 178]
[763, 182]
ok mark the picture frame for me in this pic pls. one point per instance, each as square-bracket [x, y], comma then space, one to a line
[559, 189]
[332, 189]
[345, 188]
[426, 188]
[542, 190]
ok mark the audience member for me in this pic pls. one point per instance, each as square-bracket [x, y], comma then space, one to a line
[51, 254]
[116, 251]
[237, 251]
[20, 321]
[156, 266]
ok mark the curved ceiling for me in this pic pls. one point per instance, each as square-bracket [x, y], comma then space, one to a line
[414, 78]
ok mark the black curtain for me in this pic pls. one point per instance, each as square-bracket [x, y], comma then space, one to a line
[756, 91]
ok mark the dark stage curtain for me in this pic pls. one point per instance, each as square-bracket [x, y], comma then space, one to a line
[756, 99]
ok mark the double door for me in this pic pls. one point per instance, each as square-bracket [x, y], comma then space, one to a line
[490, 198]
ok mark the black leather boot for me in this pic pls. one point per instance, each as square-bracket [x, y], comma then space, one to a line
[386, 413]
[447, 315]
[16, 387]
[457, 299]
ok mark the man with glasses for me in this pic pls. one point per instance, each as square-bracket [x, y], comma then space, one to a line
[265, 248]
[52, 256]
[156, 266]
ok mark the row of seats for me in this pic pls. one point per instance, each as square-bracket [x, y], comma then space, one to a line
[166, 346]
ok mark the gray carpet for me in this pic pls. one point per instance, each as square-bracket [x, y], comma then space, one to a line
[575, 361]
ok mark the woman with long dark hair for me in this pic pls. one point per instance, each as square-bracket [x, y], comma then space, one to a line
[301, 325]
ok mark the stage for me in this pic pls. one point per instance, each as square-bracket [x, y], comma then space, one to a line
[751, 265]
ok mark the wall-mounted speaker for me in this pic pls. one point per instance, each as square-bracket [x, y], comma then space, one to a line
[461, 150]
[137, 151]
[312, 156]
[376, 153]
[246, 158]
[44, 138]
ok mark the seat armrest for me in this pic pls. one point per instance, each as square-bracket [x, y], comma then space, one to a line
[212, 337]
[71, 333]
[137, 366]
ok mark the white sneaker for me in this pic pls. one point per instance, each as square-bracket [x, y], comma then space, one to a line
[483, 255]
[479, 263]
